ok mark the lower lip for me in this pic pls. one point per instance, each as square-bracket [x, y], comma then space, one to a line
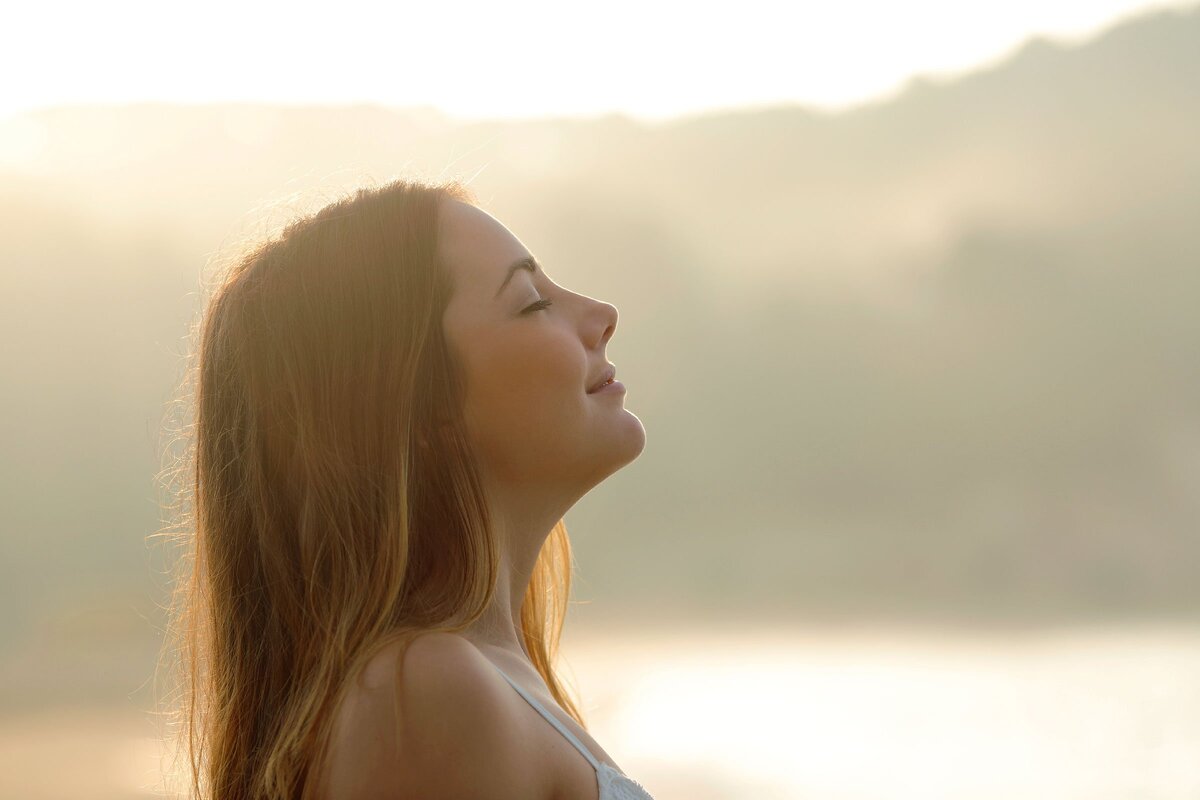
[616, 387]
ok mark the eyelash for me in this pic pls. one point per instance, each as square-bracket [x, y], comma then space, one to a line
[539, 305]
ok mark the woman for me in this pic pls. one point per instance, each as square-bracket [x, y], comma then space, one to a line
[395, 407]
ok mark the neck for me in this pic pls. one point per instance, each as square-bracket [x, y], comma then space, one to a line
[499, 625]
[521, 527]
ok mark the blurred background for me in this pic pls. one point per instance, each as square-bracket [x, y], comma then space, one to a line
[908, 300]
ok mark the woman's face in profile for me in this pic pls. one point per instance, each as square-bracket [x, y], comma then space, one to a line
[530, 350]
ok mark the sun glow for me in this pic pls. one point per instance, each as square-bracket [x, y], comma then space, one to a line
[899, 715]
[523, 59]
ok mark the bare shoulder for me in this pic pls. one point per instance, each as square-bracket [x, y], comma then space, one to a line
[429, 722]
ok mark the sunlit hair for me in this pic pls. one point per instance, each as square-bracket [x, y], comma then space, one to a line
[316, 529]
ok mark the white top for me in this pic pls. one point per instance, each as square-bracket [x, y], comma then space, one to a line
[612, 783]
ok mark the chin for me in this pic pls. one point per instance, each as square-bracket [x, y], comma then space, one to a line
[620, 450]
[631, 441]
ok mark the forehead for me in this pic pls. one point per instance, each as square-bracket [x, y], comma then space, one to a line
[476, 248]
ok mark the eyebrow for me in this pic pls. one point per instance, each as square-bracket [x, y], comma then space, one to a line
[529, 262]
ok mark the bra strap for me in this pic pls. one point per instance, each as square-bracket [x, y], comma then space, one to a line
[553, 720]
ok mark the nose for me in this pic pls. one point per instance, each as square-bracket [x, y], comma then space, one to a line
[604, 320]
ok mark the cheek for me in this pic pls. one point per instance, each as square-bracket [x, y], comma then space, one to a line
[525, 388]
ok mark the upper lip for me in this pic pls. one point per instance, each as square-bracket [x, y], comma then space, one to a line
[609, 373]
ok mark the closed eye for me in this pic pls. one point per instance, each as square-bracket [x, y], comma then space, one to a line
[538, 306]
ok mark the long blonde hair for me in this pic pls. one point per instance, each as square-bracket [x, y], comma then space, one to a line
[315, 529]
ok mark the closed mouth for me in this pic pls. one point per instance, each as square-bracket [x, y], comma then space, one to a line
[609, 376]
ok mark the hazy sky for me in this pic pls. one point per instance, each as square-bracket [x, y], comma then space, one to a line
[520, 57]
